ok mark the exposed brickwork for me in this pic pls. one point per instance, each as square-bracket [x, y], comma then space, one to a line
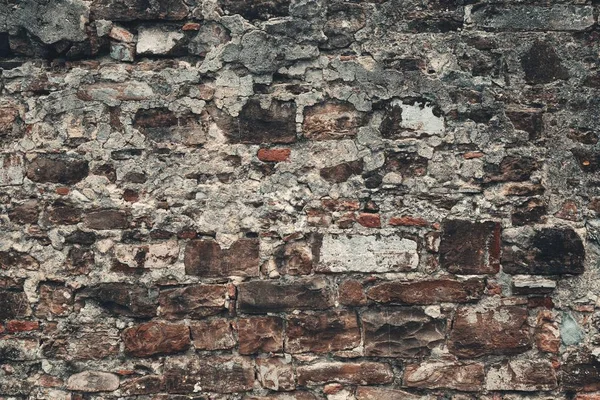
[299, 200]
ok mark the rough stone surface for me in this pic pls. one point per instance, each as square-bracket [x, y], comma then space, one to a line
[406, 332]
[299, 200]
[93, 381]
[440, 375]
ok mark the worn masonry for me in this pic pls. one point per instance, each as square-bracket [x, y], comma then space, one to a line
[299, 199]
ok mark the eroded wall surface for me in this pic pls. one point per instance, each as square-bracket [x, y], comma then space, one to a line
[299, 199]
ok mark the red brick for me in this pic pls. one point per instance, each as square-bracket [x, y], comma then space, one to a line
[408, 221]
[369, 220]
[14, 326]
[273, 155]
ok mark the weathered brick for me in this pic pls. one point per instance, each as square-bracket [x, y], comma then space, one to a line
[256, 125]
[193, 301]
[402, 332]
[332, 120]
[57, 168]
[123, 299]
[445, 375]
[259, 297]
[363, 373]
[367, 254]
[428, 292]
[216, 334]
[260, 335]
[63, 213]
[553, 251]
[276, 373]
[580, 376]
[511, 169]
[55, 299]
[522, 375]
[542, 64]
[106, 219]
[207, 258]
[503, 330]
[25, 213]
[322, 332]
[155, 338]
[342, 172]
[470, 247]
[351, 293]
[88, 343]
[13, 304]
[17, 260]
[220, 374]
[162, 125]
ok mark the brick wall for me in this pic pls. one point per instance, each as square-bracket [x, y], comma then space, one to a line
[299, 199]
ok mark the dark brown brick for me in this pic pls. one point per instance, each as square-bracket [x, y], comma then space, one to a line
[57, 168]
[17, 260]
[193, 301]
[206, 258]
[123, 299]
[13, 304]
[106, 219]
[553, 251]
[470, 247]
[258, 297]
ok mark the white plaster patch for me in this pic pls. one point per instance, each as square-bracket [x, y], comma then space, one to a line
[368, 254]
